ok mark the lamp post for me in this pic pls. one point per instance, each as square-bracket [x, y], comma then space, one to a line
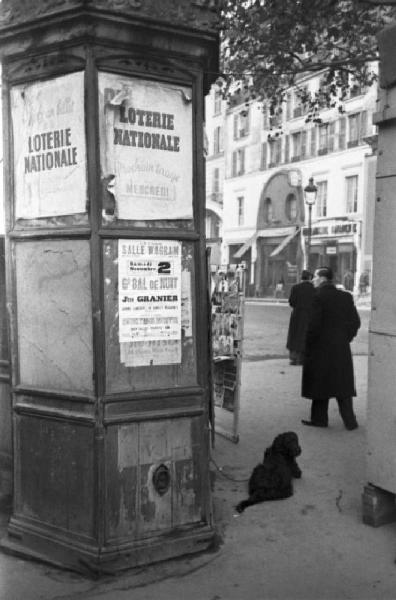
[310, 193]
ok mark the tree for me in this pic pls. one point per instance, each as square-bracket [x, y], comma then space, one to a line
[269, 45]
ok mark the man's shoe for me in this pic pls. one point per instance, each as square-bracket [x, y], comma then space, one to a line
[312, 424]
[351, 427]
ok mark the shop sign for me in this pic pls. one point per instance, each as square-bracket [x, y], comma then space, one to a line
[334, 228]
[146, 147]
[331, 250]
[49, 147]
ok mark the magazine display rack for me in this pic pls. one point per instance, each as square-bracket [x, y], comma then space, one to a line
[227, 306]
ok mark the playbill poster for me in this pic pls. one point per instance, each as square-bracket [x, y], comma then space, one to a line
[149, 283]
[49, 147]
[146, 147]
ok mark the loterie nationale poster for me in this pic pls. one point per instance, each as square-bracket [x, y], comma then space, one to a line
[146, 147]
[48, 127]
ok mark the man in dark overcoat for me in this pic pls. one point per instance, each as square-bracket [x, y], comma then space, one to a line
[300, 299]
[328, 366]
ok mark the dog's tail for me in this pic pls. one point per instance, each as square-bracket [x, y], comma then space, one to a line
[240, 507]
[244, 504]
[255, 498]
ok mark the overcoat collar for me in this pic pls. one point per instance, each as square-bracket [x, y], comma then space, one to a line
[326, 284]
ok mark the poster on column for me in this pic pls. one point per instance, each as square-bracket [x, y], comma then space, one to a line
[150, 307]
[146, 147]
[49, 147]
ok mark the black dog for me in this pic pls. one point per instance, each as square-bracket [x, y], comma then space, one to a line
[272, 479]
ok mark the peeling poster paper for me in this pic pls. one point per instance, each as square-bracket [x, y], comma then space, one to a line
[149, 280]
[49, 147]
[141, 354]
[146, 144]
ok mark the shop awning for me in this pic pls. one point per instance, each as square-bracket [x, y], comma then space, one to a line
[245, 247]
[273, 232]
[284, 243]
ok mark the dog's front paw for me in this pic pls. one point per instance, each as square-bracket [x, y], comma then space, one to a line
[295, 470]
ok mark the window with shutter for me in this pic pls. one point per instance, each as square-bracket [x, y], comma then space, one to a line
[241, 157]
[263, 161]
[323, 139]
[342, 133]
[304, 144]
[241, 124]
[321, 199]
[332, 136]
[265, 117]
[238, 162]
[217, 140]
[289, 103]
[234, 163]
[287, 148]
[241, 210]
[278, 157]
[216, 180]
[363, 125]
[313, 141]
[217, 102]
[353, 125]
[244, 123]
[272, 154]
[296, 146]
[351, 194]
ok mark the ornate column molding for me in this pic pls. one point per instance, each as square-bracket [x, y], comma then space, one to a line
[17, 12]
[195, 14]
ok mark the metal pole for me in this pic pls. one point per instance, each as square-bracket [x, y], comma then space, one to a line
[309, 235]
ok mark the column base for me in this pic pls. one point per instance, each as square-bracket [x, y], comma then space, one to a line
[379, 506]
[93, 561]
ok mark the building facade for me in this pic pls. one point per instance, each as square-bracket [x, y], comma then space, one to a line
[267, 161]
[215, 173]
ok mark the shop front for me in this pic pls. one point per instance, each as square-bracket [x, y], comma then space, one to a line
[336, 243]
[241, 255]
[279, 260]
[279, 220]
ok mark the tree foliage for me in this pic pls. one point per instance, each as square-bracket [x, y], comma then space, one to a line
[269, 45]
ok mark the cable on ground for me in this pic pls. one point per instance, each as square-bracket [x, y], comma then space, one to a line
[220, 470]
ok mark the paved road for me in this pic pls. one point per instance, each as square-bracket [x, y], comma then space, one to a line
[265, 331]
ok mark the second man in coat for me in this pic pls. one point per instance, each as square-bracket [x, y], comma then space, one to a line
[300, 299]
[328, 367]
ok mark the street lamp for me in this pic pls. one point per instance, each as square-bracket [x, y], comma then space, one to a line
[310, 193]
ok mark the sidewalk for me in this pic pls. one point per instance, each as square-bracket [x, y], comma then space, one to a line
[360, 301]
[312, 546]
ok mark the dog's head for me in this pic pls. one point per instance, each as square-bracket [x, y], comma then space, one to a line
[286, 444]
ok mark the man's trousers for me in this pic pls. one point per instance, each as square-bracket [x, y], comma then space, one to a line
[320, 407]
